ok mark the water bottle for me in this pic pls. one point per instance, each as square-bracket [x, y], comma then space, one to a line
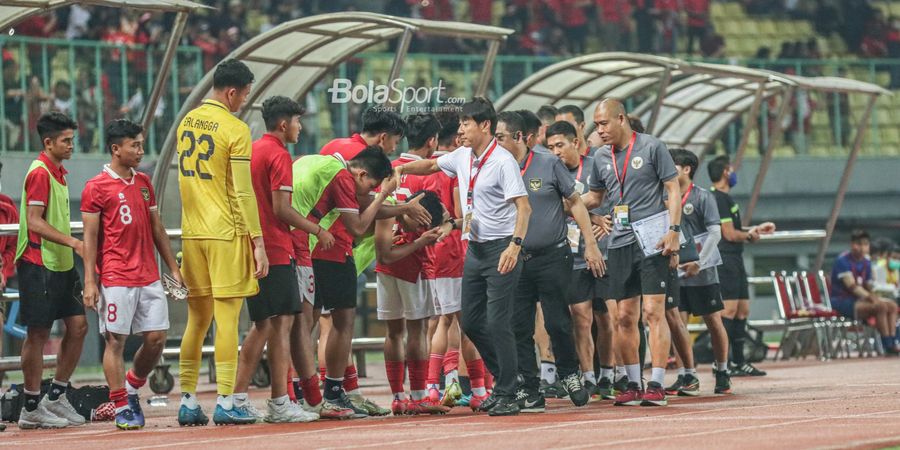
[158, 400]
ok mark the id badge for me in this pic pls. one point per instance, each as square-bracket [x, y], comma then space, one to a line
[620, 217]
[573, 235]
[467, 225]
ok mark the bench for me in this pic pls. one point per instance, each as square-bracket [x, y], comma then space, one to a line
[363, 345]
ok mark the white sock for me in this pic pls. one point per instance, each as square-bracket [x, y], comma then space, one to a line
[620, 373]
[589, 376]
[189, 400]
[548, 372]
[721, 365]
[658, 375]
[226, 402]
[691, 371]
[131, 390]
[479, 391]
[434, 386]
[278, 401]
[606, 372]
[418, 395]
[681, 371]
[634, 373]
[452, 377]
[240, 399]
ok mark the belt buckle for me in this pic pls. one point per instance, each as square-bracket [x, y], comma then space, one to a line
[526, 257]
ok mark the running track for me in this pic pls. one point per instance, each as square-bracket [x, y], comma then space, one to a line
[806, 404]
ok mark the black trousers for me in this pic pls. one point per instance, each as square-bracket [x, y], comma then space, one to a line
[546, 275]
[487, 308]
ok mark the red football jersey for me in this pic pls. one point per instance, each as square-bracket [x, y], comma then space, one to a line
[8, 214]
[125, 255]
[270, 167]
[300, 240]
[340, 195]
[348, 148]
[406, 269]
[444, 259]
[37, 193]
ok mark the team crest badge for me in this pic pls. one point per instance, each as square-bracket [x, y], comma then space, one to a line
[535, 184]
[146, 194]
[637, 162]
[688, 209]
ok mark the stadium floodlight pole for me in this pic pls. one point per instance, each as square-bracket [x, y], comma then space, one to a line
[171, 49]
[775, 137]
[660, 97]
[745, 134]
[845, 182]
[487, 69]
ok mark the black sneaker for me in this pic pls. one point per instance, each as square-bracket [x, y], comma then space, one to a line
[605, 389]
[530, 401]
[690, 386]
[591, 389]
[489, 404]
[552, 390]
[676, 386]
[723, 382]
[577, 393]
[620, 386]
[746, 370]
[505, 406]
[344, 402]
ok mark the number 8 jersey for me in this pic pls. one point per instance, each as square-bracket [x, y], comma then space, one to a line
[125, 254]
[217, 199]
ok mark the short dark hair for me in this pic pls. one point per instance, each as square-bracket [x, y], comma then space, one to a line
[513, 121]
[547, 113]
[685, 158]
[378, 120]
[232, 73]
[532, 123]
[717, 167]
[119, 129]
[277, 108]
[882, 245]
[635, 123]
[449, 127]
[562, 127]
[575, 111]
[420, 128]
[373, 160]
[480, 109]
[432, 203]
[859, 235]
[53, 123]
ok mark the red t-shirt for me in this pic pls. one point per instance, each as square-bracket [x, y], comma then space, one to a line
[698, 11]
[481, 11]
[348, 148]
[615, 11]
[568, 12]
[340, 195]
[406, 269]
[8, 214]
[125, 255]
[300, 241]
[37, 193]
[270, 167]
[444, 259]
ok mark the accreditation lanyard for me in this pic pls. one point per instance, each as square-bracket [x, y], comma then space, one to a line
[473, 174]
[615, 165]
[857, 277]
[580, 168]
[527, 163]
[686, 194]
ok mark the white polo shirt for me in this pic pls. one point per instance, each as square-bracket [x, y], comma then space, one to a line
[498, 184]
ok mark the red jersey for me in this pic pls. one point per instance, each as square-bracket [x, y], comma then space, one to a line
[698, 12]
[444, 259]
[615, 11]
[406, 269]
[348, 148]
[8, 214]
[125, 254]
[340, 195]
[270, 168]
[568, 12]
[300, 241]
[37, 193]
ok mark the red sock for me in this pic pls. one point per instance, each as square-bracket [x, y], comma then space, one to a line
[311, 392]
[322, 374]
[476, 373]
[133, 379]
[351, 382]
[488, 380]
[435, 362]
[451, 361]
[395, 374]
[418, 371]
[290, 384]
[119, 397]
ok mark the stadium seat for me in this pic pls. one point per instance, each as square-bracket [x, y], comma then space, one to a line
[795, 338]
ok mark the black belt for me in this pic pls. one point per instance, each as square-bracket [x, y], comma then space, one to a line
[528, 254]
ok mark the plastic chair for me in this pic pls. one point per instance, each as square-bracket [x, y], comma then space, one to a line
[795, 334]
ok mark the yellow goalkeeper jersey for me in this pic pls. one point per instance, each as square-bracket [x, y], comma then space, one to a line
[217, 199]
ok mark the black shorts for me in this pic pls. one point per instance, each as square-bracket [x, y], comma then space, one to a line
[279, 294]
[673, 290]
[335, 284]
[631, 274]
[733, 277]
[46, 296]
[585, 287]
[701, 300]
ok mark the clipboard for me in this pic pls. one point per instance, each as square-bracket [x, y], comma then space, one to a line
[650, 230]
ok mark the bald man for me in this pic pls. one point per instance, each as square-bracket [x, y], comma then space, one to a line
[638, 172]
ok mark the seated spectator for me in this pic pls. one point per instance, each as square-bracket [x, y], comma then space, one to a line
[852, 293]
[884, 276]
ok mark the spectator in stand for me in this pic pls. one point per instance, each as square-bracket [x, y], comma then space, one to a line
[570, 15]
[208, 45]
[646, 29]
[614, 21]
[13, 99]
[713, 46]
[842, 116]
[884, 277]
[852, 295]
[77, 25]
[666, 13]
[480, 11]
[697, 22]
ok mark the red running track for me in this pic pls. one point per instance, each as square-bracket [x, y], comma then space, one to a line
[807, 404]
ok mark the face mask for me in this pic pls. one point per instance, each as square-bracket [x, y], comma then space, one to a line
[894, 264]
[732, 179]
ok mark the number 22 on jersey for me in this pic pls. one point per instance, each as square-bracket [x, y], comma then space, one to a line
[188, 158]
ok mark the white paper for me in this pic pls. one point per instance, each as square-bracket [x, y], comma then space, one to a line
[716, 259]
[573, 235]
[650, 230]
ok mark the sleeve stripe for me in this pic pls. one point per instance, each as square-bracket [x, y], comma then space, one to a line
[93, 213]
[286, 188]
[153, 208]
[347, 210]
[726, 220]
[36, 203]
[240, 158]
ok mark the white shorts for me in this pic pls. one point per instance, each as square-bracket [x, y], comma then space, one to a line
[127, 310]
[446, 294]
[398, 299]
[307, 282]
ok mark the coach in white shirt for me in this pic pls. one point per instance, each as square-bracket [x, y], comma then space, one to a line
[495, 220]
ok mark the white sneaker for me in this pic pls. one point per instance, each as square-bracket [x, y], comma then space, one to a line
[288, 412]
[63, 409]
[251, 410]
[40, 418]
[309, 408]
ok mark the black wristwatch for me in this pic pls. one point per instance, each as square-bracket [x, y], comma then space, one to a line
[452, 223]
[517, 241]
[675, 228]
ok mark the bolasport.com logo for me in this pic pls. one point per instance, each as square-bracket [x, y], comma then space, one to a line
[395, 94]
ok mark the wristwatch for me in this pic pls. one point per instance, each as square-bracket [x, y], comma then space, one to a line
[675, 228]
[452, 223]
[517, 241]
